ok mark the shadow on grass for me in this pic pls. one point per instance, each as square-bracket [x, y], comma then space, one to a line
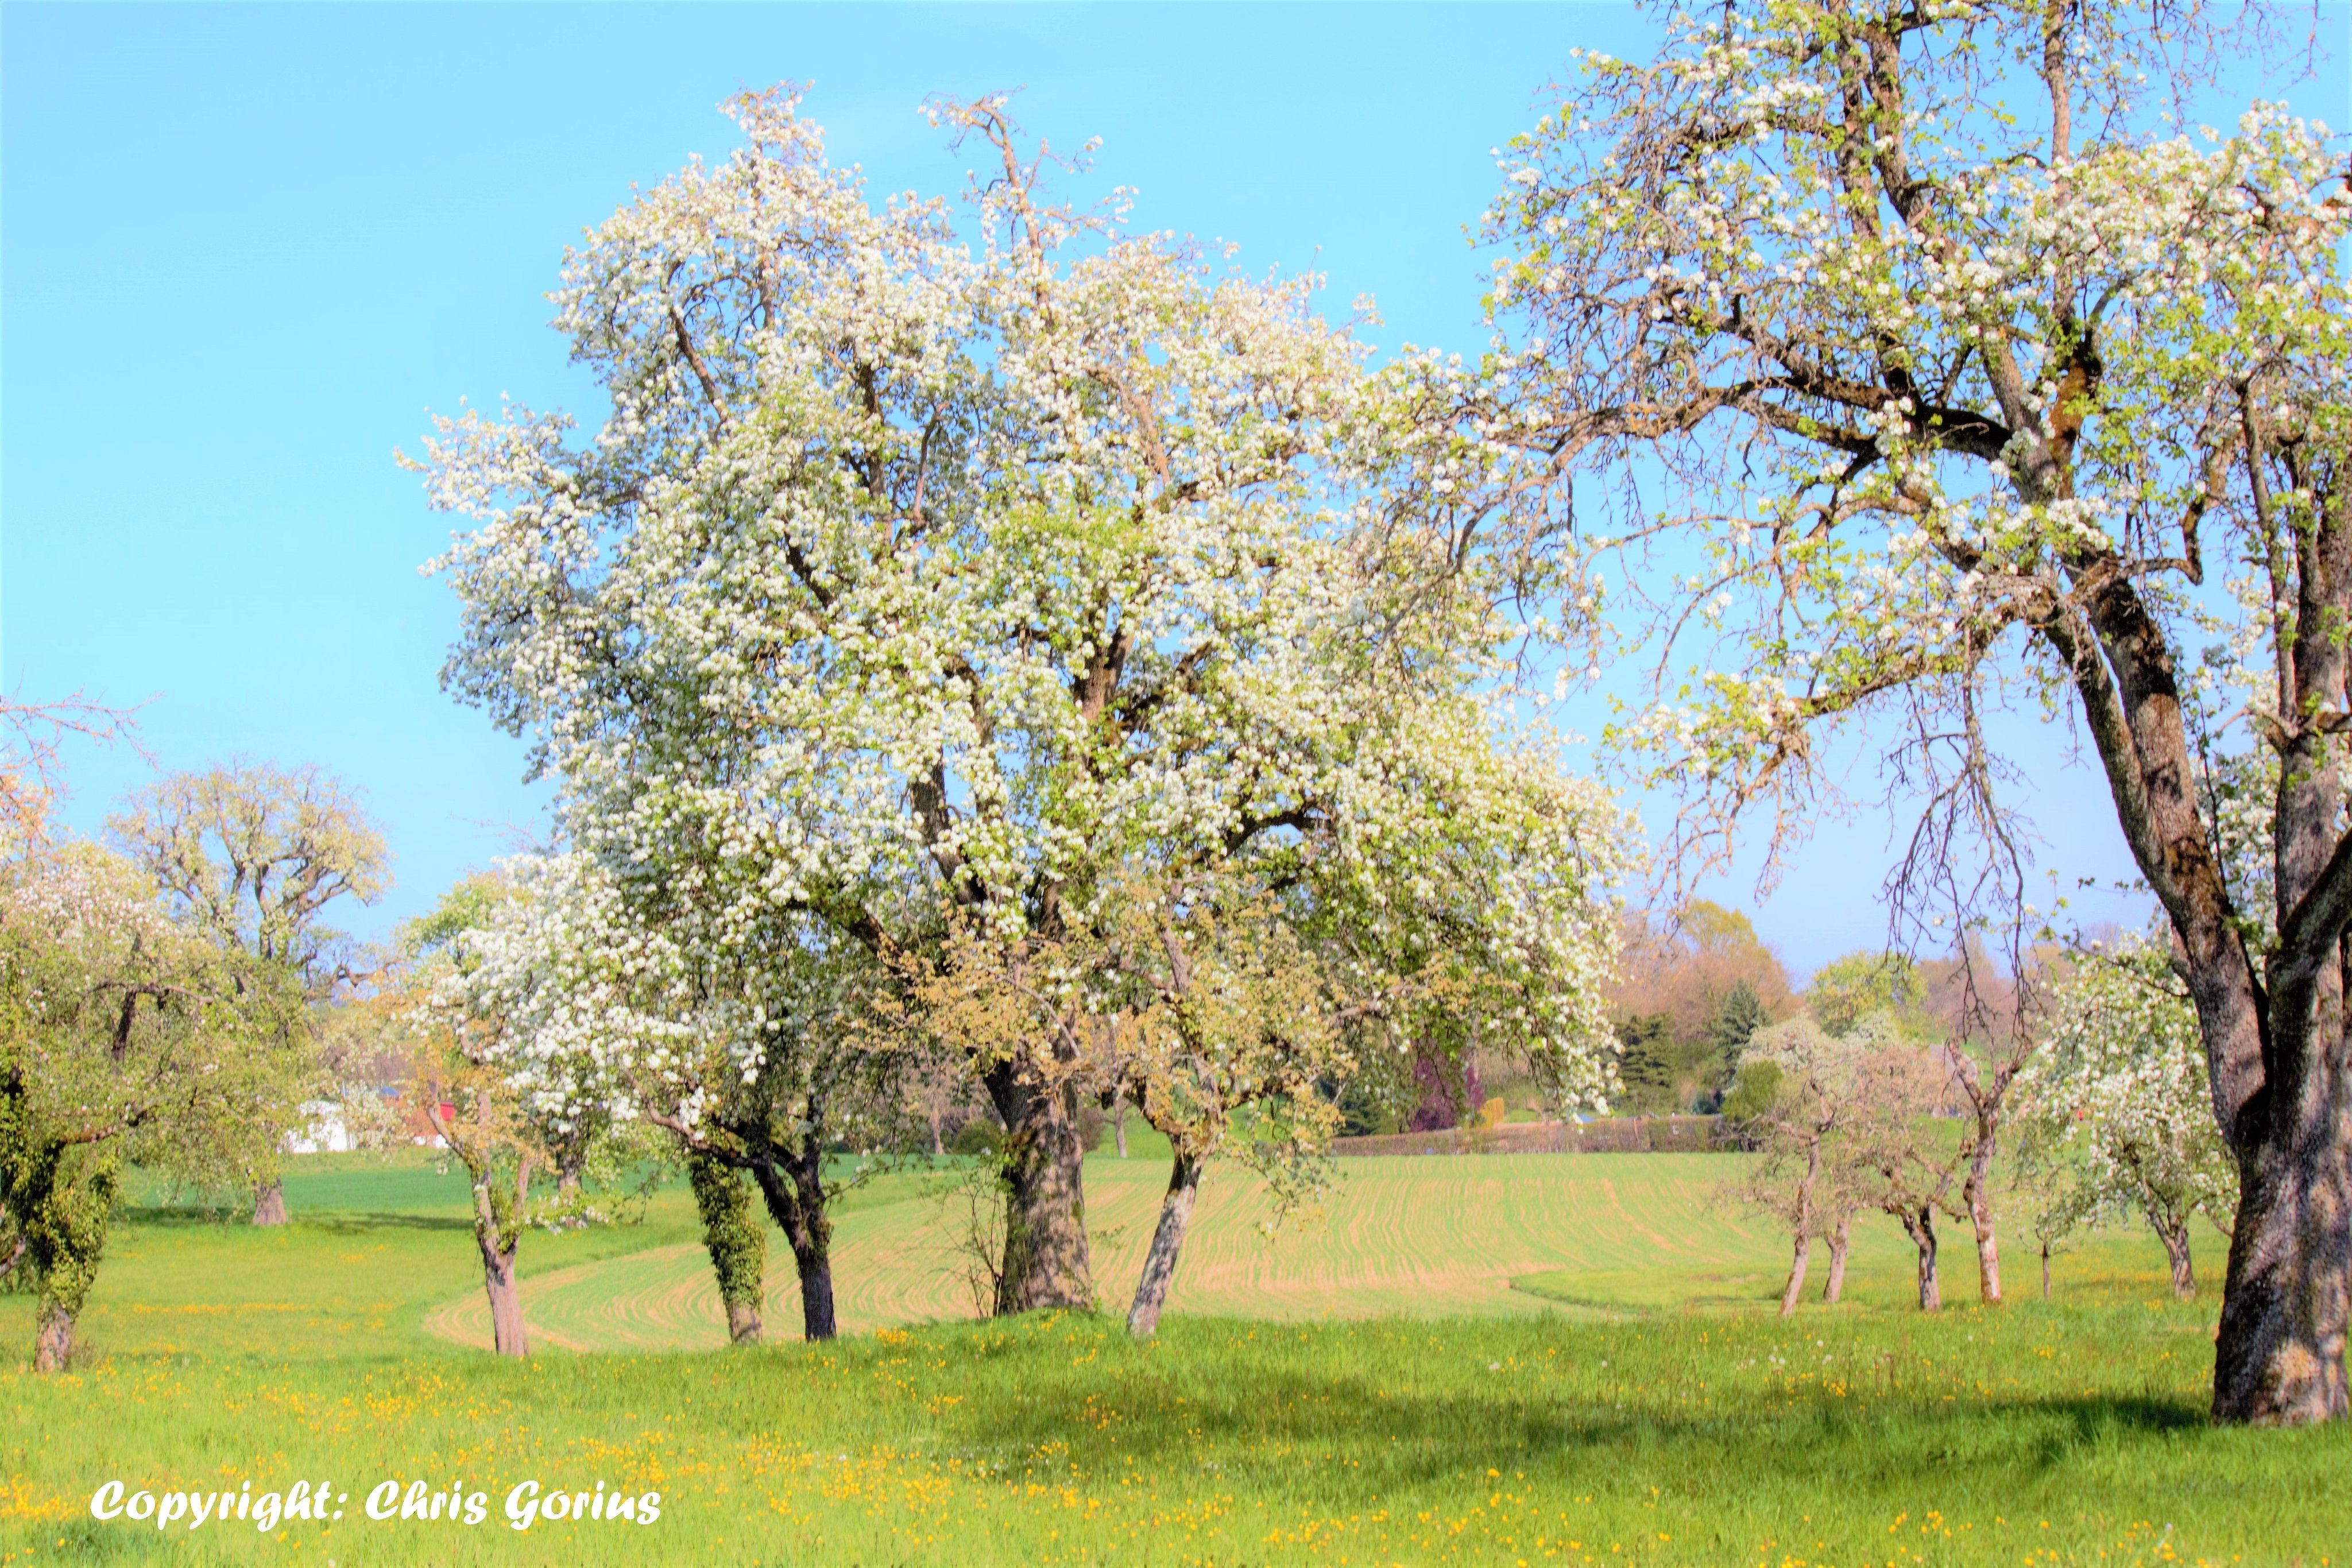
[1255, 1405]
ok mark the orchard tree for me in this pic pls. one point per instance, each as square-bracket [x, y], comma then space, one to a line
[658, 1009]
[1949, 359]
[124, 1037]
[481, 994]
[932, 565]
[1799, 1092]
[2119, 1121]
[254, 854]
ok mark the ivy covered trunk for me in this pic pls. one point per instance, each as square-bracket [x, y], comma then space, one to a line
[1167, 1243]
[792, 1182]
[61, 1201]
[731, 1233]
[1042, 1165]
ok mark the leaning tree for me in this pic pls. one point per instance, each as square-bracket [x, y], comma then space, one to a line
[1940, 361]
[922, 576]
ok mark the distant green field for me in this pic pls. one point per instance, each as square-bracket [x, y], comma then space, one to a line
[1590, 1371]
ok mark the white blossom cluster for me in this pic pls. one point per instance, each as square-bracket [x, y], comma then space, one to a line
[940, 556]
[2117, 1103]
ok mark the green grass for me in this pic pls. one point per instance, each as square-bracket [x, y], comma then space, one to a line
[1656, 1412]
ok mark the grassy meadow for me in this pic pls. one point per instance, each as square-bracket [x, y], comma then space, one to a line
[1493, 1360]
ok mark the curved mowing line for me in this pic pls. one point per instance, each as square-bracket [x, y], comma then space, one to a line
[1431, 1236]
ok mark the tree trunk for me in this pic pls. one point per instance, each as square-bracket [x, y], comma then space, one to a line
[792, 1182]
[1978, 1192]
[1167, 1241]
[53, 1339]
[269, 1203]
[2045, 1270]
[1043, 1163]
[1804, 1255]
[1119, 1121]
[1840, 1238]
[1919, 1224]
[2278, 1355]
[2173, 1234]
[506, 1301]
[733, 1236]
[1803, 1229]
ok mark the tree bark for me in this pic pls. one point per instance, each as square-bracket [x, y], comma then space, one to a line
[1803, 1250]
[269, 1203]
[53, 1339]
[2278, 1355]
[1167, 1242]
[1919, 1224]
[1977, 1192]
[1119, 1121]
[506, 1333]
[2173, 1234]
[2045, 1270]
[1840, 1240]
[1043, 1164]
[793, 1183]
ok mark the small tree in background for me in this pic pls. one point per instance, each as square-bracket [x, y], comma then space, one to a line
[1794, 1093]
[476, 1015]
[254, 854]
[124, 1037]
[2119, 1117]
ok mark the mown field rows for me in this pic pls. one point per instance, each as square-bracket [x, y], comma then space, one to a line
[1442, 1235]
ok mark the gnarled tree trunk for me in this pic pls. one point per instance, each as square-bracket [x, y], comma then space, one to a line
[2278, 1356]
[1043, 1162]
[269, 1203]
[792, 1182]
[1919, 1224]
[1167, 1242]
[2173, 1231]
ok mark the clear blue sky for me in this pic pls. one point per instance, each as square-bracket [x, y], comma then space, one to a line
[247, 247]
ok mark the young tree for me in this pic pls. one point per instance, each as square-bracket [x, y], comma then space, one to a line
[253, 855]
[1967, 362]
[2118, 1116]
[484, 985]
[922, 578]
[1796, 1091]
[123, 1037]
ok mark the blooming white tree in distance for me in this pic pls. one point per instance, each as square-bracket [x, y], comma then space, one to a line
[1963, 360]
[2120, 1120]
[935, 564]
